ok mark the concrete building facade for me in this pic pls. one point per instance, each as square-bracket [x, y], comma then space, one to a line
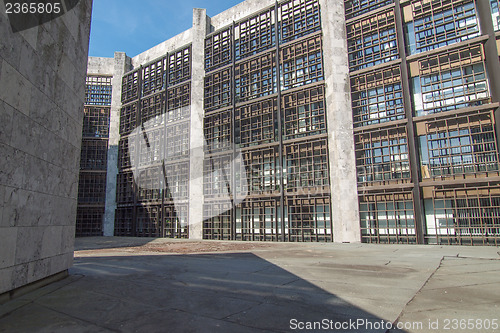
[313, 120]
[42, 75]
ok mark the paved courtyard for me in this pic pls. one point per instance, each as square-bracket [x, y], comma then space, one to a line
[159, 285]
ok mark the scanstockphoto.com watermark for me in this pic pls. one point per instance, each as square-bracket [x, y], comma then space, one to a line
[442, 325]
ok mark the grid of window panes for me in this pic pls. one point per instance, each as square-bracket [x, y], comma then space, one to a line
[387, 217]
[437, 23]
[377, 97]
[459, 146]
[371, 40]
[382, 156]
[258, 220]
[448, 93]
[154, 147]
[241, 99]
[465, 215]
[94, 156]
[449, 80]
[98, 90]
[355, 8]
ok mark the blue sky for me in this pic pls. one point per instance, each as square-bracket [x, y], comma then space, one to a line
[134, 26]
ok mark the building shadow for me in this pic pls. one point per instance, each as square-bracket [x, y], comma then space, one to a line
[228, 292]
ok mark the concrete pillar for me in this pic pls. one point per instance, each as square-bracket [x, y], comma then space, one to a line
[344, 194]
[121, 65]
[491, 52]
[201, 26]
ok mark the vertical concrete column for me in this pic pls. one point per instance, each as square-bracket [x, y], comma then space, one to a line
[344, 194]
[121, 65]
[491, 52]
[201, 25]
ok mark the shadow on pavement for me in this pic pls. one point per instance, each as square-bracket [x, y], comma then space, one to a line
[229, 292]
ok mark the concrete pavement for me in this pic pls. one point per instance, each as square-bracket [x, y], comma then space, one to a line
[147, 285]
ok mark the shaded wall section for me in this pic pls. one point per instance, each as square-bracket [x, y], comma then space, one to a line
[42, 78]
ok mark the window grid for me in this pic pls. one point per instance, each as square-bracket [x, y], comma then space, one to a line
[255, 34]
[309, 219]
[218, 90]
[437, 23]
[175, 220]
[152, 110]
[95, 122]
[89, 221]
[372, 40]
[377, 97]
[355, 8]
[130, 86]
[128, 118]
[153, 77]
[176, 141]
[125, 191]
[94, 155]
[178, 102]
[218, 49]
[304, 113]
[217, 171]
[255, 123]
[151, 144]
[306, 167]
[126, 149]
[217, 217]
[255, 78]
[461, 145]
[467, 215]
[179, 66]
[450, 80]
[148, 221]
[177, 181]
[260, 167]
[387, 217]
[301, 63]
[98, 90]
[150, 184]
[382, 156]
[298, 18]
[218, 130]
[258, 220]
[124, 221]
[92, 188]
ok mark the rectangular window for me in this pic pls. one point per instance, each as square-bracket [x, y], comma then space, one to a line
[179, 66]
[372, 40]
[449, 81]
[98, 90]
[387, 217]
[218, 90]
[218, 49]
[255, 78]
[154, 76]
[437, 23]
[298, 18]
[382, 156]
[459, 146]
[255, 34]
[304, 113]
[377, 97]
[256, 123]
[301, 63]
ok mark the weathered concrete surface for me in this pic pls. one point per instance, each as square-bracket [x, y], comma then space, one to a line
[343, 182]
[42, 87]
[134, 284]
[201, 26]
